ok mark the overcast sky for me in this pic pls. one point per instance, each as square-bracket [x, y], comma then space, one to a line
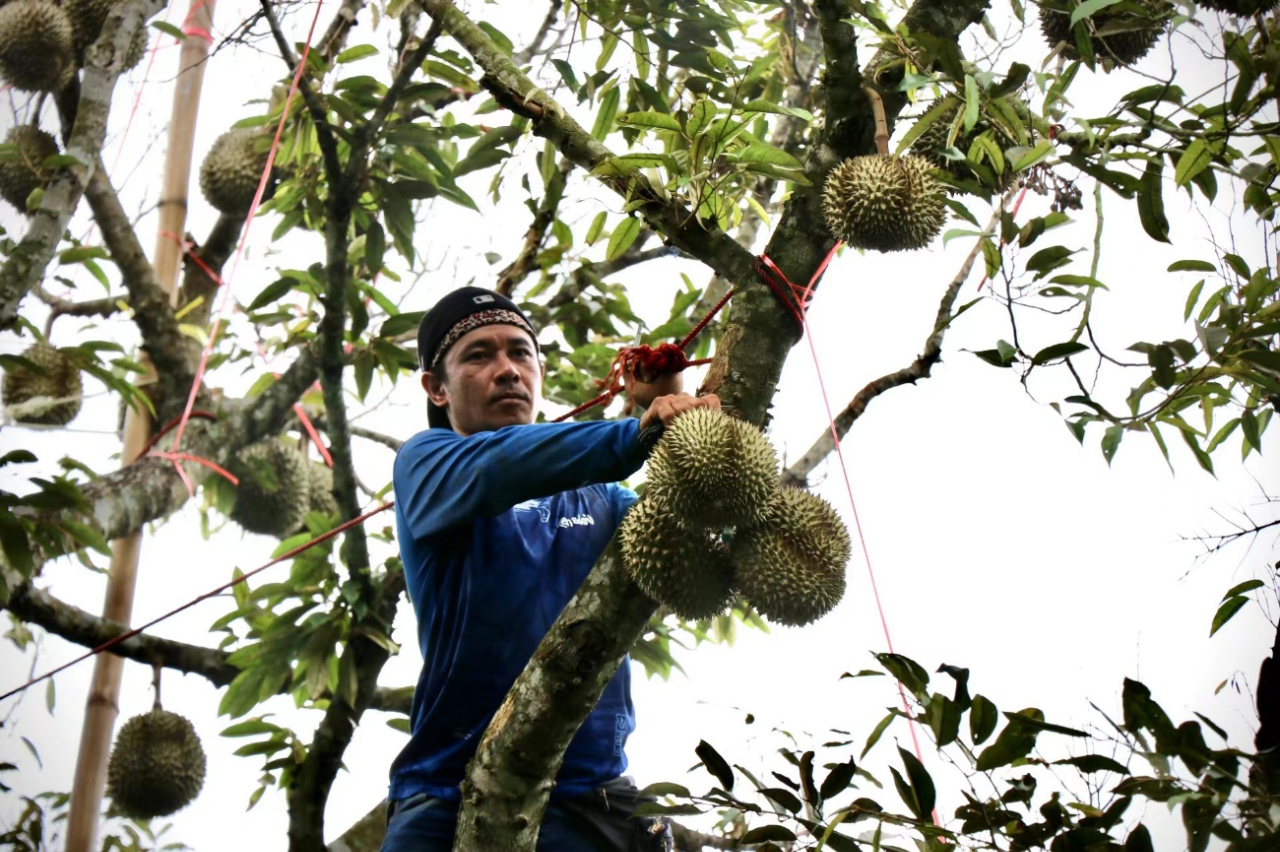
[998, 543]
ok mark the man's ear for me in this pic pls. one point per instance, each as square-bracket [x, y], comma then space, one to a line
[435, 389]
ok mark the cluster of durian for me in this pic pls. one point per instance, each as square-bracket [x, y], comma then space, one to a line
[934, 140]
[710, 472]
[157, 765]
[278, 487]
[48, 393]
[1119, 34]
[883, 202]
[24, 174]
[42, 42]
[231, 171]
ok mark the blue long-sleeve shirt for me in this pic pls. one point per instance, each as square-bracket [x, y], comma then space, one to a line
[497, 531]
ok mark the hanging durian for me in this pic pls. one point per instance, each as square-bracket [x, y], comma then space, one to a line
[55, 379]
[933, 141]
[233, 167]
[320, 489]
[1240, 8]
[22, 176]
[1120, 36]
[157, 765]
[87, 18]
[884, 202]
[686, 569]
[274, 491]
[35, 45]
[791, 564]
[714, 470]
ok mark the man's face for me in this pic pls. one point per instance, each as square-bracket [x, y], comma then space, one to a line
[492, 379]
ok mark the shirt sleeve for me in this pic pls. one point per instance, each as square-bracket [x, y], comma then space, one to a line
[442, 479]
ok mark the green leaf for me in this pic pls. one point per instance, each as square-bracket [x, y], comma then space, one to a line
[1048, 259]
[921, 783]
[656, 120]
[1194, 160]
[715, 764]
[700, 118]
[1151, 201]
[972, 103]
[758, 153]
[1088, 7]
[169, 30]
[764, 833]
[608, 111]
[837, 780]
[1094, 763]
[1192, 266]
[983, 717]
[1226, 612]
[622, 238]
[1243, 588]
[360, 51]
[1014, 743]
[666, 788]
[1111, 442]
[596, 226]
[1036, 155]
[877, 732]
[924, 122]
[271, 293]
[908, 672]
[1058, 350]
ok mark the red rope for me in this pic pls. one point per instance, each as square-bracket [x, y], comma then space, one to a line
[646, 363]
[129, 634]
[798, 307]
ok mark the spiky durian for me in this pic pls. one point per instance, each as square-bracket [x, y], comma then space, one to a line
[320, 490]
[274, 491]
[55, 379]
[884, 202]
[22, 176]
[87, 18]
[791, 564]
[157, 765]
[686, 569]
[35, 45]
[713, 470]
[1120, 36]
[1240, 7]
[231, 170]
[933, 141]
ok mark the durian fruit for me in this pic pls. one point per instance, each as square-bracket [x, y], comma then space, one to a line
[274, 490]
[35, 45]
[231, 170]
[933, 141]
[791, 564]
[688, 570]
[320, 490]
[23, 176]
[884, 203]
[57, 378]
[87, 18]
[157, 765]
[713, 470]
[1240, 8]
[1121, 36]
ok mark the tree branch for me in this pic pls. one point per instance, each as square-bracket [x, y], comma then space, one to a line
[26, 266]
[843, 81]
[525, 56]
[319, 113]
[38, 607]
[60, 307]
[520, 268]
[921, 368]
[335, 36]
[167, 347]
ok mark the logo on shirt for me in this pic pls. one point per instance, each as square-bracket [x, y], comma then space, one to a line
[620, 731]
[577, 521]
[539, 506]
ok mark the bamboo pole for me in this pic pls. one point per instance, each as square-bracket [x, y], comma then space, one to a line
[103, 706]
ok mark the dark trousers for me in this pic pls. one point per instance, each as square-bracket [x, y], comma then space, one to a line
[600, 821]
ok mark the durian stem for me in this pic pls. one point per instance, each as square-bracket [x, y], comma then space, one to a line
[156, 670]
[882, 126]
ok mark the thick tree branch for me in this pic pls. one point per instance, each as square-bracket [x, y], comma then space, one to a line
[843, 82]
[167, 347]
[59, 307]
[104, 62]
[921, 368]
[335, 36]
[525, 261]
[319, 113]
[38, 607]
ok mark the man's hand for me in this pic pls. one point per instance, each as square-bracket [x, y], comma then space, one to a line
[666, 409]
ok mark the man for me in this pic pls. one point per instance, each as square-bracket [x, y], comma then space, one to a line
[499, 520]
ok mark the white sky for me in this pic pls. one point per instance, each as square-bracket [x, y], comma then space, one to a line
[997, 542]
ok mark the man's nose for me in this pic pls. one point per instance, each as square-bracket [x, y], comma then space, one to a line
[507, 370]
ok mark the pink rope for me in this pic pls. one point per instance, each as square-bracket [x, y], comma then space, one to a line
[244, 234]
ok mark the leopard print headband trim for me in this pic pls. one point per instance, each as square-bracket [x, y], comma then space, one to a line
[497, 316]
